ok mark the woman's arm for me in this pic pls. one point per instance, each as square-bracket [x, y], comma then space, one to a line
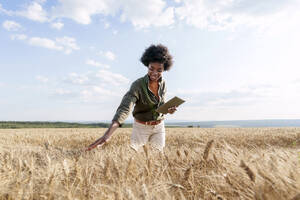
[122, 113]
[113, 126]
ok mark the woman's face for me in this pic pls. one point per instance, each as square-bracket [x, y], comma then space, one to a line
[155, 70]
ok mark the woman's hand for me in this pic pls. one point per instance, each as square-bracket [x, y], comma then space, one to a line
[172, 110]
[102, 140]
[97, 143]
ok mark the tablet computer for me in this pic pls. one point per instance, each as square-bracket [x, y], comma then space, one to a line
[175, 101]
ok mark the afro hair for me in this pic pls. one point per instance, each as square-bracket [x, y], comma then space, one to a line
[157, 53]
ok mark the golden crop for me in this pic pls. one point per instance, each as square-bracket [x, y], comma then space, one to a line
[197, 163]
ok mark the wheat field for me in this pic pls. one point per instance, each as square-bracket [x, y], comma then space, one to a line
[197, 163]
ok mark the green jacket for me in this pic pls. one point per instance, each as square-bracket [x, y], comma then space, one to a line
[144, 100]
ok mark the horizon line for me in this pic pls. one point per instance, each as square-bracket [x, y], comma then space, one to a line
[130, 121]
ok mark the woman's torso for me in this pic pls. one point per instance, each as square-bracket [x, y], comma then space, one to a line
[151, 96]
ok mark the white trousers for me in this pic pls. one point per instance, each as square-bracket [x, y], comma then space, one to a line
[154, 134]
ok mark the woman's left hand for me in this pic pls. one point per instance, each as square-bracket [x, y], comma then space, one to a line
[172, 110]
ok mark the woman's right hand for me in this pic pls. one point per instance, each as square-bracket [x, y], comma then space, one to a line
[102, 140]
[97, 143]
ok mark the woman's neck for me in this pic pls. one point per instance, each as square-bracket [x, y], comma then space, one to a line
[153, 82]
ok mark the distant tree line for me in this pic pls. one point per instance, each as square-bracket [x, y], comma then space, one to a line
[38, 124]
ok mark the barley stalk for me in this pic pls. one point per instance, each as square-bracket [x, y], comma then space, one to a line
[248, 171]
[187, 173]
[207, 149]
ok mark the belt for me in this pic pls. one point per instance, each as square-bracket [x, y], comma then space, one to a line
[149, 122]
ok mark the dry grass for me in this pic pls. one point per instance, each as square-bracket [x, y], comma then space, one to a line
[220, 163]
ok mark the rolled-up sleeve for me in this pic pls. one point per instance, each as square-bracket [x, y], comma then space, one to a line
[126, 105]
[164, 95]
[163, 99]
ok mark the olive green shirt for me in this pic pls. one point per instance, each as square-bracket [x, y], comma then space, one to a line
[144, 101]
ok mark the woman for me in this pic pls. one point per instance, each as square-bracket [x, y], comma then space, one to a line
[146, 94]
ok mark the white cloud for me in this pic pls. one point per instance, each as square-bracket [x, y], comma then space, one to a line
[111, 78]
[18, 37]
[231, 97]
[296, 81]
[97, 94]
[77, 79]
[248, 102]
[45, 42]
[61, 91]
[103, 91]
[41, 1]
[252, 102]
[34, 11]
[229, 14]
[42, 79]
[141, 14]
[57, 25]
[6, 12]
[203, 14]
[81, 11]
[11, 25]
[94, 86]
[96, 78]
[64, 93]
[110, 55]
[106, 25]
[96, 64]
[115, 32]
[66, 44]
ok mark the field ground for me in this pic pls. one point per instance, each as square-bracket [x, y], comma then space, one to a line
[198, 163]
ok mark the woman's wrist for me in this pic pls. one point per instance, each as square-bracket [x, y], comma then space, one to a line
[115, 124]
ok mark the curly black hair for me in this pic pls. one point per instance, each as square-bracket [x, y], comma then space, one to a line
[157, 53]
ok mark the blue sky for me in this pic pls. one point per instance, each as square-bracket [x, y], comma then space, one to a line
[75, 59]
